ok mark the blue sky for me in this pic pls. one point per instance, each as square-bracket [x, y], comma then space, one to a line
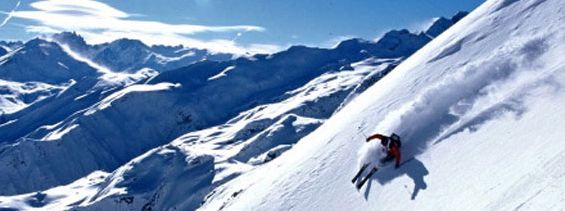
[224, 25]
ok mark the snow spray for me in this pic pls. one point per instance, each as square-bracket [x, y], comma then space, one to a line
[371, 153]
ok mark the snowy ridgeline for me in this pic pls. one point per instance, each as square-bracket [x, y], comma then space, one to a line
[126, 55]
[66, 56]
[261, 106]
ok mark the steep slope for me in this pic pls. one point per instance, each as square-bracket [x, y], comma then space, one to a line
[479, 110]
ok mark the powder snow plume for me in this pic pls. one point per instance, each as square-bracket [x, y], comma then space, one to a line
[371, 153]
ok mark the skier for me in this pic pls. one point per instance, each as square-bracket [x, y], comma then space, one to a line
[391, 145]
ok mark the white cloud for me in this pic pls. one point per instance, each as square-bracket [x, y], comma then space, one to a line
[218, 45]
[10, 15]
[100, 22]
[41, 29]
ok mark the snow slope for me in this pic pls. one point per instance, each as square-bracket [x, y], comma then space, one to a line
[479, 108]
[38, 70]
[15, 96]
[42, 61]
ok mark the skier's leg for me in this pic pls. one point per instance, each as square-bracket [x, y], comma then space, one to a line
[359, 173]
[367, 178]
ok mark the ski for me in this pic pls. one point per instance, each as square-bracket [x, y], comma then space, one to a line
[366, 178]
[359, 173]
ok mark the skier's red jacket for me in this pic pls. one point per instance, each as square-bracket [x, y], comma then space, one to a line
[393, 150]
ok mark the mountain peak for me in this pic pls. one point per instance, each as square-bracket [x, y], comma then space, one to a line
[353, 41]
[460, 15]
[395, 34]
[124, 43]
[36, 42]
[40, 60]
[441, 24]
[72, 39]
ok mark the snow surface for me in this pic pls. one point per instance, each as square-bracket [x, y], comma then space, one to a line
[15, 96]
[479, 109]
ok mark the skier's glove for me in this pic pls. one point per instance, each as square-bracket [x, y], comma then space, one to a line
[367, 140]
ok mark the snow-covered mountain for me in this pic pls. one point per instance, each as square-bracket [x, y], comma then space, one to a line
[127, 55]
[42, 61]
[8, 46]
[441, 24]
[43, 82]
[34, 71]
[167, 142]
[53, 62]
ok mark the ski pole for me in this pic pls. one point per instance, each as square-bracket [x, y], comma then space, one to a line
[363, 134]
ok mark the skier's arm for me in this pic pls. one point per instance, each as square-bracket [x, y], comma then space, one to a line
[396, 152]
[379, 136]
